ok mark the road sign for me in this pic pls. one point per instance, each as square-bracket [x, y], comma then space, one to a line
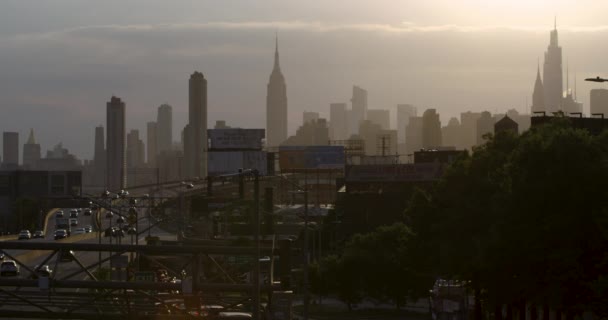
[145, 276]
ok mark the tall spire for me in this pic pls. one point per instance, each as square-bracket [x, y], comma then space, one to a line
[575, 86]
[555, 22]
[30, 139]
[567, 77]
[276, 52]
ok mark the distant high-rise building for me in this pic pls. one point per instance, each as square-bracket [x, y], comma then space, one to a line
[116, 156]
[99, 158]
[135, 150]
[468, 122]
[164, 129]
[413, 135]
[452, 133]
[359, 109]
[311, 133]
[338, 121]
[381, 117]
[404, 112]
[309, 116]
[221, 124]
[31, 152]
[276, 104]
[152, 143]
[431, 129]
[485, 125]
[599, 101]
[552, 75]
[195, 147]
[10, 150]
[538, 96]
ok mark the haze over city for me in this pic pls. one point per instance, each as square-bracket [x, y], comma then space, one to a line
[60, 61]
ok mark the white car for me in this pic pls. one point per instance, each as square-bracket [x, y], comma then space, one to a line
[24, 235]
[9, 268]
[79, 231]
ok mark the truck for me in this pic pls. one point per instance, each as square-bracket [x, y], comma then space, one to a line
[63, 223]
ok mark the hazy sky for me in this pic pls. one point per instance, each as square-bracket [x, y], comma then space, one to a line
[61, 61]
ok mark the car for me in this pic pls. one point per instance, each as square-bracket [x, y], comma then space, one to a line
[9, 268]
[38, 234]
[118, 233]
[126, 227]
[120, 219]
[78, 231]
[109, 215]
[132, 230]
[42, 271]
[79, 210]
[60, 234]
[87, 212]
[24, 235]
[59, 214]
[73, 222]
[66, 256]
[88, 229]
[73, 213]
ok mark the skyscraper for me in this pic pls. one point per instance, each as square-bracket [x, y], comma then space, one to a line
[431, 129]
[276, 104]
[164, 128]
[152, 140]
[599, 101]
[116, 157]
[404, 112]
[31, 152]
[381, 117]
[338, 121]
[308, 116]
[485, 125]
[195, 147]
[413, 135]
[10, 149]
[552, 74]
[359, 110]
[538, 96]
[99, 158]
[135, 150]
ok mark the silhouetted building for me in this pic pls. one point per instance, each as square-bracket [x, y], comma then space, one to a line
[164, 128]
[135, 150]
[311, 133]
[485, 125]
[599, 101]
[431, 129]
[452, 134]
[359, 109]
[381, 117]
[338, 122]
[116, 157]
[151, 145]
[170, 165]
[309, 116]
[523, 120]
[377, 141]
[506, 124]
[413, 135]
[195, 148]
[441, 156]
[99, 158]
[468, 122]
[276, 104]
[404, 113]
[59, 159]
[221, 124]
[552, 75]
[538, 96]
[10, 148]
[31, 152]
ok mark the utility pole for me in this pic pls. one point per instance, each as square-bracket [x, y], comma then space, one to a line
[306, 300]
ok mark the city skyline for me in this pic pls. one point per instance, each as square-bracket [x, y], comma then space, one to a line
[392, 67]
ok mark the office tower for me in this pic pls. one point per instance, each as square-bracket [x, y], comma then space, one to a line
[431, 129]
[468, 122]
[10, 148]
[338, 122]
[452, 134]
[276, 104]
[195, 136]
[309, 116]
[599, 101]
[31, 152]
[99, 158]
[359, 109]
[116, 157]
[538, 96]
[311, 133]
[485, 125]
[404, 112]
[152, 141]
[552, 74]
[381, 117]
[135, 150]
[413, 135]
[164, 128]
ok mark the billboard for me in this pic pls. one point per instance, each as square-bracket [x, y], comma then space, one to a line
[416, 172]
[225, 162]
[236, 138]
[311, 157]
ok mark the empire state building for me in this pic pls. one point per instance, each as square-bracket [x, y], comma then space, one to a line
[276, 104]
[552, 75]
